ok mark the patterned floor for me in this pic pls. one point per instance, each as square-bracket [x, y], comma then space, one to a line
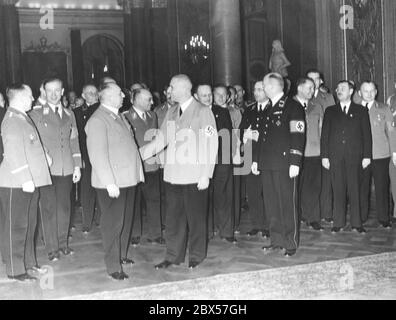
[84, 272]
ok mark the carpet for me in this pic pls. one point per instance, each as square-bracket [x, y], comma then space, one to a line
[309, 281]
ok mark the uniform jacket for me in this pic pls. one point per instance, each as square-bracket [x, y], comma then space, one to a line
[59, 137]
[346, 137]
[382, 131]
[24, 155]
[198, 161]
[112, 151]
[282, 136]
[314, 119]
[161, 111]
[224, 125]
[324, 100]
[82, 115]
[140, 127]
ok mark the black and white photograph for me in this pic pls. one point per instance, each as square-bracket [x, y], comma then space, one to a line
[197, 156]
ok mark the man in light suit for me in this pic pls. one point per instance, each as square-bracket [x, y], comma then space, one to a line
[22, 172]
[142, 121]
[384, 149]
[116, 171]
[188, 169]
[59, 135]
[323, 100]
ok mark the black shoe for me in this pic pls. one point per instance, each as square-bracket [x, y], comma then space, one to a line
[85, 231]
[158, 240]
[290, 253]
[193, 264]
[360, 230]
[265, 234]
[232, 240]
[23, 278]
[253, 232]
[336, 230]
[135, 241]
[120, 276]
[67, 251]
[386, 225]
[316, 226]
[164, 265]
[53, 256]
[126, 261]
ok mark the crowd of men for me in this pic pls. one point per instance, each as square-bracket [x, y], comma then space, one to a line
[189, 166]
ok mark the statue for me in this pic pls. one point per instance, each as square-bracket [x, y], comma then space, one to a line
[278, 61]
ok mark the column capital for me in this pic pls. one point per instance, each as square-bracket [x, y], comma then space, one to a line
[128, 5]
[8, 2]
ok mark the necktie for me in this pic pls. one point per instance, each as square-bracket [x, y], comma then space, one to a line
[57, 112]
[144, 116]
[305, 106]
[345, 110]
[367, 104]
[269, 104]
[180, 112]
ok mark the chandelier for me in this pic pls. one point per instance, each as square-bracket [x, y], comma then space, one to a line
[197, 50]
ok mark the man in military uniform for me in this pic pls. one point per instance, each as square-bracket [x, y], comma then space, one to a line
[252, 118]
[88, 195]
[116, 171]
[346, 148]
[22, 172]
[188, 169]
[322, 99]
[144, 121]
[221, 188]
[311, 175]
[59, 135]
[391, 102]
[278, 156]
[384, 148]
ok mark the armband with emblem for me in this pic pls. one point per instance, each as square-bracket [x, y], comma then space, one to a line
[297, 127]
[210, 131]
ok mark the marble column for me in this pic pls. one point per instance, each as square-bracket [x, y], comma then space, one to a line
[10, 43]
[137, 41]
[225, 25]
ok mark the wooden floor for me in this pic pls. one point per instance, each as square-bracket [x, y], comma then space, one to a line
[84, 272]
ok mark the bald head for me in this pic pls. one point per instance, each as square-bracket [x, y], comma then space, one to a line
[111, 95]
[181, 87]
[204, 94]
[20, 97]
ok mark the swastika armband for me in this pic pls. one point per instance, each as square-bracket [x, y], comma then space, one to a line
[297, 126]
[210, 131]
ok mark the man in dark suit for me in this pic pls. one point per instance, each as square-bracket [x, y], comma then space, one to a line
[144, 122]
[252, 118]
[88, 195]
[322, 99]
[278, 156]
[346, 148]
[221, 188]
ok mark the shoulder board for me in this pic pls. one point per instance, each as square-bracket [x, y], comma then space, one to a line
[282, 102]
[38, 107]
[125, 112]
[251, 105]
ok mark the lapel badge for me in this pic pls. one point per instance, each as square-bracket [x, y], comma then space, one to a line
[31, 137]
[46, 111]
[278, 123]
[351, 115]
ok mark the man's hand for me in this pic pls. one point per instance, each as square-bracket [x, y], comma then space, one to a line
[49, 159]
[255, 170]
[28, 187]
[326, 163]
[76, 175]
[113, 190]
[203, 183]
[394, 159]
[294, 171]
[365, 163]
[250, 135]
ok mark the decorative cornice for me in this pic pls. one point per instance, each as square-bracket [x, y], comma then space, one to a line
[128, 5]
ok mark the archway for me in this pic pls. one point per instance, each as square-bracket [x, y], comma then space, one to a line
[103, 56]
